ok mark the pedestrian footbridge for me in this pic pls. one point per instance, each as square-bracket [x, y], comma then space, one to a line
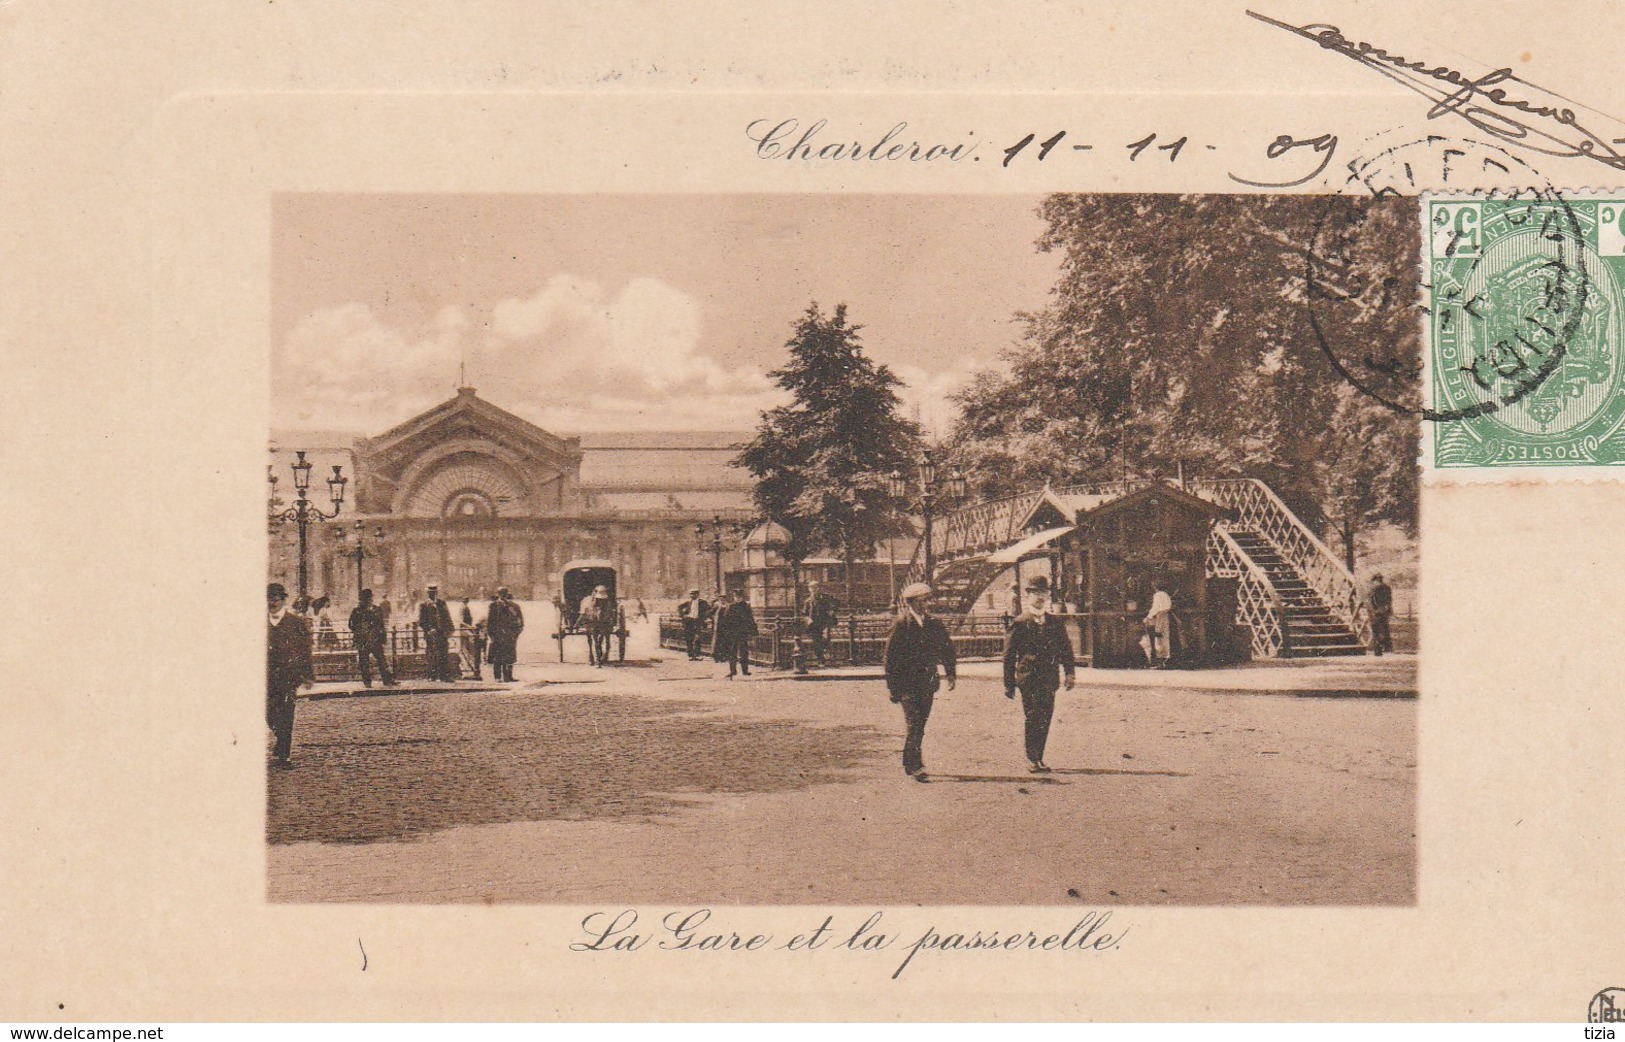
[1293, 595]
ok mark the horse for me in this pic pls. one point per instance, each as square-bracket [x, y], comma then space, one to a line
[598, 620]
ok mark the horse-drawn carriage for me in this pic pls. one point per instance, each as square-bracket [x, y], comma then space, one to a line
[589, 605]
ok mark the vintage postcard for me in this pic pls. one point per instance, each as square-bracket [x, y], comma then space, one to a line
[996, 528]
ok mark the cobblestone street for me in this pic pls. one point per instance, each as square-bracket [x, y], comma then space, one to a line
[397, 767]
[660, 782]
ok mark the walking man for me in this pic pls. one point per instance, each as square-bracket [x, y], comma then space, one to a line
[1382, 610]
[288, 667]
[367, 630]
[503, 622]
[434, 619]
[821, 618]
[736, 625]
[916, 646]
[693, 614]
[1036, 652]
[599, 614]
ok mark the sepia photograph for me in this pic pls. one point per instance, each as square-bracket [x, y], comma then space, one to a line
[830, 514]
[780, 549]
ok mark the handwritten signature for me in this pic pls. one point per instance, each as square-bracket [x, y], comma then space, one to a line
[1497, 103]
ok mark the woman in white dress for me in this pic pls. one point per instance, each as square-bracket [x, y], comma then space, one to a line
[1159, 629]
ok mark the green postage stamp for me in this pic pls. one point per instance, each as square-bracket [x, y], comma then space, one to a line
[1522, 365]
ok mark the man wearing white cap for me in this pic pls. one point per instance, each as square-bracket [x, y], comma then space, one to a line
[693, 613]
[916, 646]
[597, 615]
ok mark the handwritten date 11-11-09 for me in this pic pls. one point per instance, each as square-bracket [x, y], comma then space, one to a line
[1318, 149]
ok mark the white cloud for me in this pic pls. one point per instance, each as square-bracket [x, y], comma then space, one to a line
[341, 363]
[571, 356]
[647, 335]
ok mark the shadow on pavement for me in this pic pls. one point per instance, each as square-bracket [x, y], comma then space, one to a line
[1024, 779]
[1109, 770]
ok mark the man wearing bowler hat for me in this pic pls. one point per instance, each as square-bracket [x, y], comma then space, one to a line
[916, 646]
[504, 621]
[736, 625]
[367, 629]
[288, 667]
[1036, 652]
[434, 619]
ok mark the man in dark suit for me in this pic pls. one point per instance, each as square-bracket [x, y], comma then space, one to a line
[1382, 611]
[367, 629]
[736, 625]
[503, 623]
[821, 618]
[434, 619]
[287, 667]
[1036, 652]
[916, 646]
[693, 614]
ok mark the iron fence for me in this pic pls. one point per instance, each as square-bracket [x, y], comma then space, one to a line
[853, 641]
[333, 654]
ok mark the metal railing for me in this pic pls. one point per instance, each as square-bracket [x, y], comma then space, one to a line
[859, 641]
[983, 528]
[1259, 510]
[1258, 604]
[333, 653]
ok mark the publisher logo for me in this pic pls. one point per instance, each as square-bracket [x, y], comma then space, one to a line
[1607, 1007]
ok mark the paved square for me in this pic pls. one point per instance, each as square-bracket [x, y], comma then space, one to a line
[663, 784]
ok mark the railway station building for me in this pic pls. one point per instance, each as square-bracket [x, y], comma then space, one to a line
[472, 496]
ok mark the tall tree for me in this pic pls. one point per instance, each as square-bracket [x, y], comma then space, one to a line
[821, 462]
[1178, 333]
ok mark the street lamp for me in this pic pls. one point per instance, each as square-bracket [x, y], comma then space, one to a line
[715, 545]
[360, 552]
[931, 484]
[303, 512]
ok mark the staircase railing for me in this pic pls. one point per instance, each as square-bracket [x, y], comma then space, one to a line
[1260, 510]
[982, 528]
[1258, 605]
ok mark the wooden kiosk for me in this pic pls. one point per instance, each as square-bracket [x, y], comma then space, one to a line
[1108, 552]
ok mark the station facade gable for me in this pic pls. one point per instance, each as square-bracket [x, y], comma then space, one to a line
[471, 496]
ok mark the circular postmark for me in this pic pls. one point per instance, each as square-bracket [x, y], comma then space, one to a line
[1606, 1007]
[1504, 278]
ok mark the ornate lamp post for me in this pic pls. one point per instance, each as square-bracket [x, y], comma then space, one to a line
[715, 544]
[931, 485]
[360, 553]
[303, 512]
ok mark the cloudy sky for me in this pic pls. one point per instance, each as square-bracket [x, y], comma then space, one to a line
[643, 312]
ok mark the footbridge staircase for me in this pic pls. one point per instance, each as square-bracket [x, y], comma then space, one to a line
[1293, 594]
